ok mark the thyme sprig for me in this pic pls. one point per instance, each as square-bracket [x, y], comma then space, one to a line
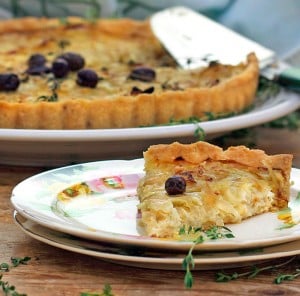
[189, 263]
[199, 133]
[290, 121]
[4, 266]
[287, 277]
[16, 261]
[53, 86]
[213, 233]
[7, 289]
[266, 89]
[221, 276]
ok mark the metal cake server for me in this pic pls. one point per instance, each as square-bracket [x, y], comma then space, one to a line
[194, 41]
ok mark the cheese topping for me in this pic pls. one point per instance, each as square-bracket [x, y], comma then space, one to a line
[111, 54]
[134, 82]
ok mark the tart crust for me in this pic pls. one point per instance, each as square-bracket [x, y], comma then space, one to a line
[113, 52]
[222, 186]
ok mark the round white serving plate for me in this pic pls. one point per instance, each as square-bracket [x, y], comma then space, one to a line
[52, 148]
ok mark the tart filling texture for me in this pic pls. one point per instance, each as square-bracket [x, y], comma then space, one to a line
[221, 186]
[121, 77]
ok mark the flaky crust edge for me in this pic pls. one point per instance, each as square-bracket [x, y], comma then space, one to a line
[199, 152]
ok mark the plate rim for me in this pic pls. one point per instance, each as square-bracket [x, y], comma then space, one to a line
[257, 116]
[252, 257]
[133, 240]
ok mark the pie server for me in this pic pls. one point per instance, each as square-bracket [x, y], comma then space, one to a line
[194, 40]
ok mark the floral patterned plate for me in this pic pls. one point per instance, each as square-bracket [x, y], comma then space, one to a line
[98, 201]
[155, 259]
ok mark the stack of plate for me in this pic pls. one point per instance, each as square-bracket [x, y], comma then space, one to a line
[91, 208]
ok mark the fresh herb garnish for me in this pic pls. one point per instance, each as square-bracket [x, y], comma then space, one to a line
[189, 263]
[199, 133]
[287, 277]
[217, 232]
[266, 89]
[290, 121]
[225, 277]
[4, 266]
[206, 117]
[51, 98]
[53, 86]
[213, 233]
[16, 261]
[7, 289]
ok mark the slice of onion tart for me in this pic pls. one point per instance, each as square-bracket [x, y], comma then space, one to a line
[202, 185]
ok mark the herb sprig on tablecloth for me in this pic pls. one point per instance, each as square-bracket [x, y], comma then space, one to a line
[222, 276]
[7, 288]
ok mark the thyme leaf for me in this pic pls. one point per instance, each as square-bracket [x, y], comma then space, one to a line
[287, 277]
[213, 233]
[255, 270]
[199, 133]
[16, 261]
[51, 98]
[189, 263]
[7, 289]
[290, 121]
[53, 86]
[266, 89]
[4, 266]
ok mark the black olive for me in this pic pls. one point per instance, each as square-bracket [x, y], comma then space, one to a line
[60, 68]
[75, 60]
[87, 77]
[38, 70]
[143, 74]
[175, 185]
[9, 82]
[37, 65]
[36, 60]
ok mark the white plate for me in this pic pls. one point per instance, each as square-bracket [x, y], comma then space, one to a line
[147, 258]
[64, 147]
[109, 213]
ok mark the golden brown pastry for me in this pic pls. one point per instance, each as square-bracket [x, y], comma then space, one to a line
[107, 74]
[202, 185]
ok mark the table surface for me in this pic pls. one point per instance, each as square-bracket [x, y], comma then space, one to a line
[53, 271]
